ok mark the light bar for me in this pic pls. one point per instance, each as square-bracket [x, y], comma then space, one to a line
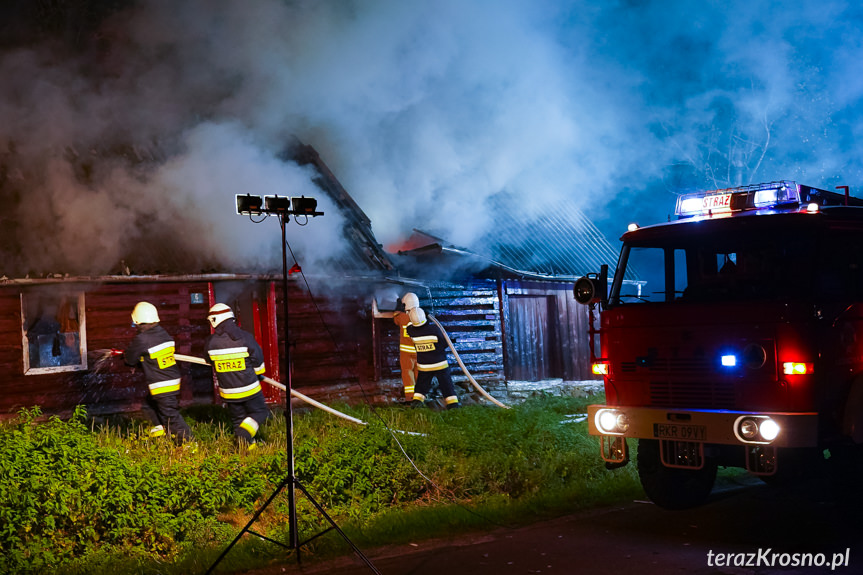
[249, 205]
[760, 196]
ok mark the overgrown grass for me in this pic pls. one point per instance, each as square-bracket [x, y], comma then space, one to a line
[80, 498]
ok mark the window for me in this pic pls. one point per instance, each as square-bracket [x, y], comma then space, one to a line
[716, 267]
[53, 329]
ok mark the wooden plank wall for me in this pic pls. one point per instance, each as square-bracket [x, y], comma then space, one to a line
[114, 387]
[470, 314]
[337, 350]
[565, 329]
[330, 342]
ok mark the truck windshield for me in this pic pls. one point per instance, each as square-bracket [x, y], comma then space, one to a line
[716, 269]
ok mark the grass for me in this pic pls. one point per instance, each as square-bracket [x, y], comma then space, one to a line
[142, 506]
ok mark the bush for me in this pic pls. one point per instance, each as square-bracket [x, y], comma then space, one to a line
[72, 495]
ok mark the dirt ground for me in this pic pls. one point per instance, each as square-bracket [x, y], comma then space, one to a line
[740, 531]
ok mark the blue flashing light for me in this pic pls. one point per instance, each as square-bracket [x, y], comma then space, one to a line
[729, 360]
[759, 196]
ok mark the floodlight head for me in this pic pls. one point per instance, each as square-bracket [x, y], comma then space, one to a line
[304, 206]
[248, 205]
[277, 204]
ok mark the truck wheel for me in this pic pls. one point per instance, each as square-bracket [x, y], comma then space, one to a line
[672, 488]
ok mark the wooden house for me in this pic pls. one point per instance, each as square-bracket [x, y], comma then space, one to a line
[54, 328]
[507, 307]
[509, 299]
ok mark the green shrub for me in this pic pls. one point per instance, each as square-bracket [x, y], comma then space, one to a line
[75, 497]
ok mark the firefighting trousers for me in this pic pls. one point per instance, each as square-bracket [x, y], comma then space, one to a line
[167, 408]
[409, 369]
[444, 381]
[247, 416]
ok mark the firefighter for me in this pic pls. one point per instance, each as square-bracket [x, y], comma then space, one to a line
[153, 349]
[407, 354]
[431, 355]
[239, 364]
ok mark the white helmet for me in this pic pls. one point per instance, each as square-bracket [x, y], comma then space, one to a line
[145, 312]
[411, 301]
[417, 316]
[219, 313]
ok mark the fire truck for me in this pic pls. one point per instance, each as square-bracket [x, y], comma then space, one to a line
[731, 336]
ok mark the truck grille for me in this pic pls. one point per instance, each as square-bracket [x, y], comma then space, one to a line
[701, 395]
[682, 365]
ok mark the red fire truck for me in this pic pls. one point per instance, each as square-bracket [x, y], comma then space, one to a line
[732, 336]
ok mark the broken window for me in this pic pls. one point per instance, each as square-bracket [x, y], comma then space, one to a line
[53, 329]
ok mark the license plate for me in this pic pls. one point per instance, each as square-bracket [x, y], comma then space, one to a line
[680, 432]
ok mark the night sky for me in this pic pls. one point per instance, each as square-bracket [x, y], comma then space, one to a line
[133, 123]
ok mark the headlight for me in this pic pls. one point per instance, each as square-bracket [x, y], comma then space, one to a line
[749, 429]
[756, 429]
[611, 421]
[769, 429]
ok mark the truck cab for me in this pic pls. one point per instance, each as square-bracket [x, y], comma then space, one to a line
[744, 346]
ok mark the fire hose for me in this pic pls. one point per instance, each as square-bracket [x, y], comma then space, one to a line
[478, 387]
[294, 393]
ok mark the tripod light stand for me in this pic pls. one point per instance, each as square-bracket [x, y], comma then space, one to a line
[281, 207]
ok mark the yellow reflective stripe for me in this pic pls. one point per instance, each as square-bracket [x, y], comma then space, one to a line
[433, 366]
[250, 425]
[425, 339]
[407, 348]
[409, 388]
[419, 396]
[157, 431]
[260, 369]
[163, 354]
[240, 392]
[228, 356]
[451, 399]
[165, 386]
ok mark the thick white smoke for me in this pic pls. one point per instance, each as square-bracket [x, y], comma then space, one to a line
[428, 113]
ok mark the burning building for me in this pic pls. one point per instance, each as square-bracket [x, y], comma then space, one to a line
[507, 307]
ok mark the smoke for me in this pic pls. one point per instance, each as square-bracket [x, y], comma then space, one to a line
[126, 137]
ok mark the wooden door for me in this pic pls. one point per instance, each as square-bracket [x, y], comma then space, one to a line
[531, 339]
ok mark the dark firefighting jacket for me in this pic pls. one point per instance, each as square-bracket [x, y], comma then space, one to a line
[153, 349]
[237, 359]
[431, 346]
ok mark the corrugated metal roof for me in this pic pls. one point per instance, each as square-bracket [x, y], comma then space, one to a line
[558, 241]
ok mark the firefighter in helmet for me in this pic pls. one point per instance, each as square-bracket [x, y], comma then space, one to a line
[239, 364]
[153, 349]
[407, 354]
[431, 355]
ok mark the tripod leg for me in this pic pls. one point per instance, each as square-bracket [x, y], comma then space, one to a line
[254, 518]
[320, 509]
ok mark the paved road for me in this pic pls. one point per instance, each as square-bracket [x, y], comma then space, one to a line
[754, 523]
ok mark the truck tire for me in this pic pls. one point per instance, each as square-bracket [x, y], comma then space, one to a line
[672, 488]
